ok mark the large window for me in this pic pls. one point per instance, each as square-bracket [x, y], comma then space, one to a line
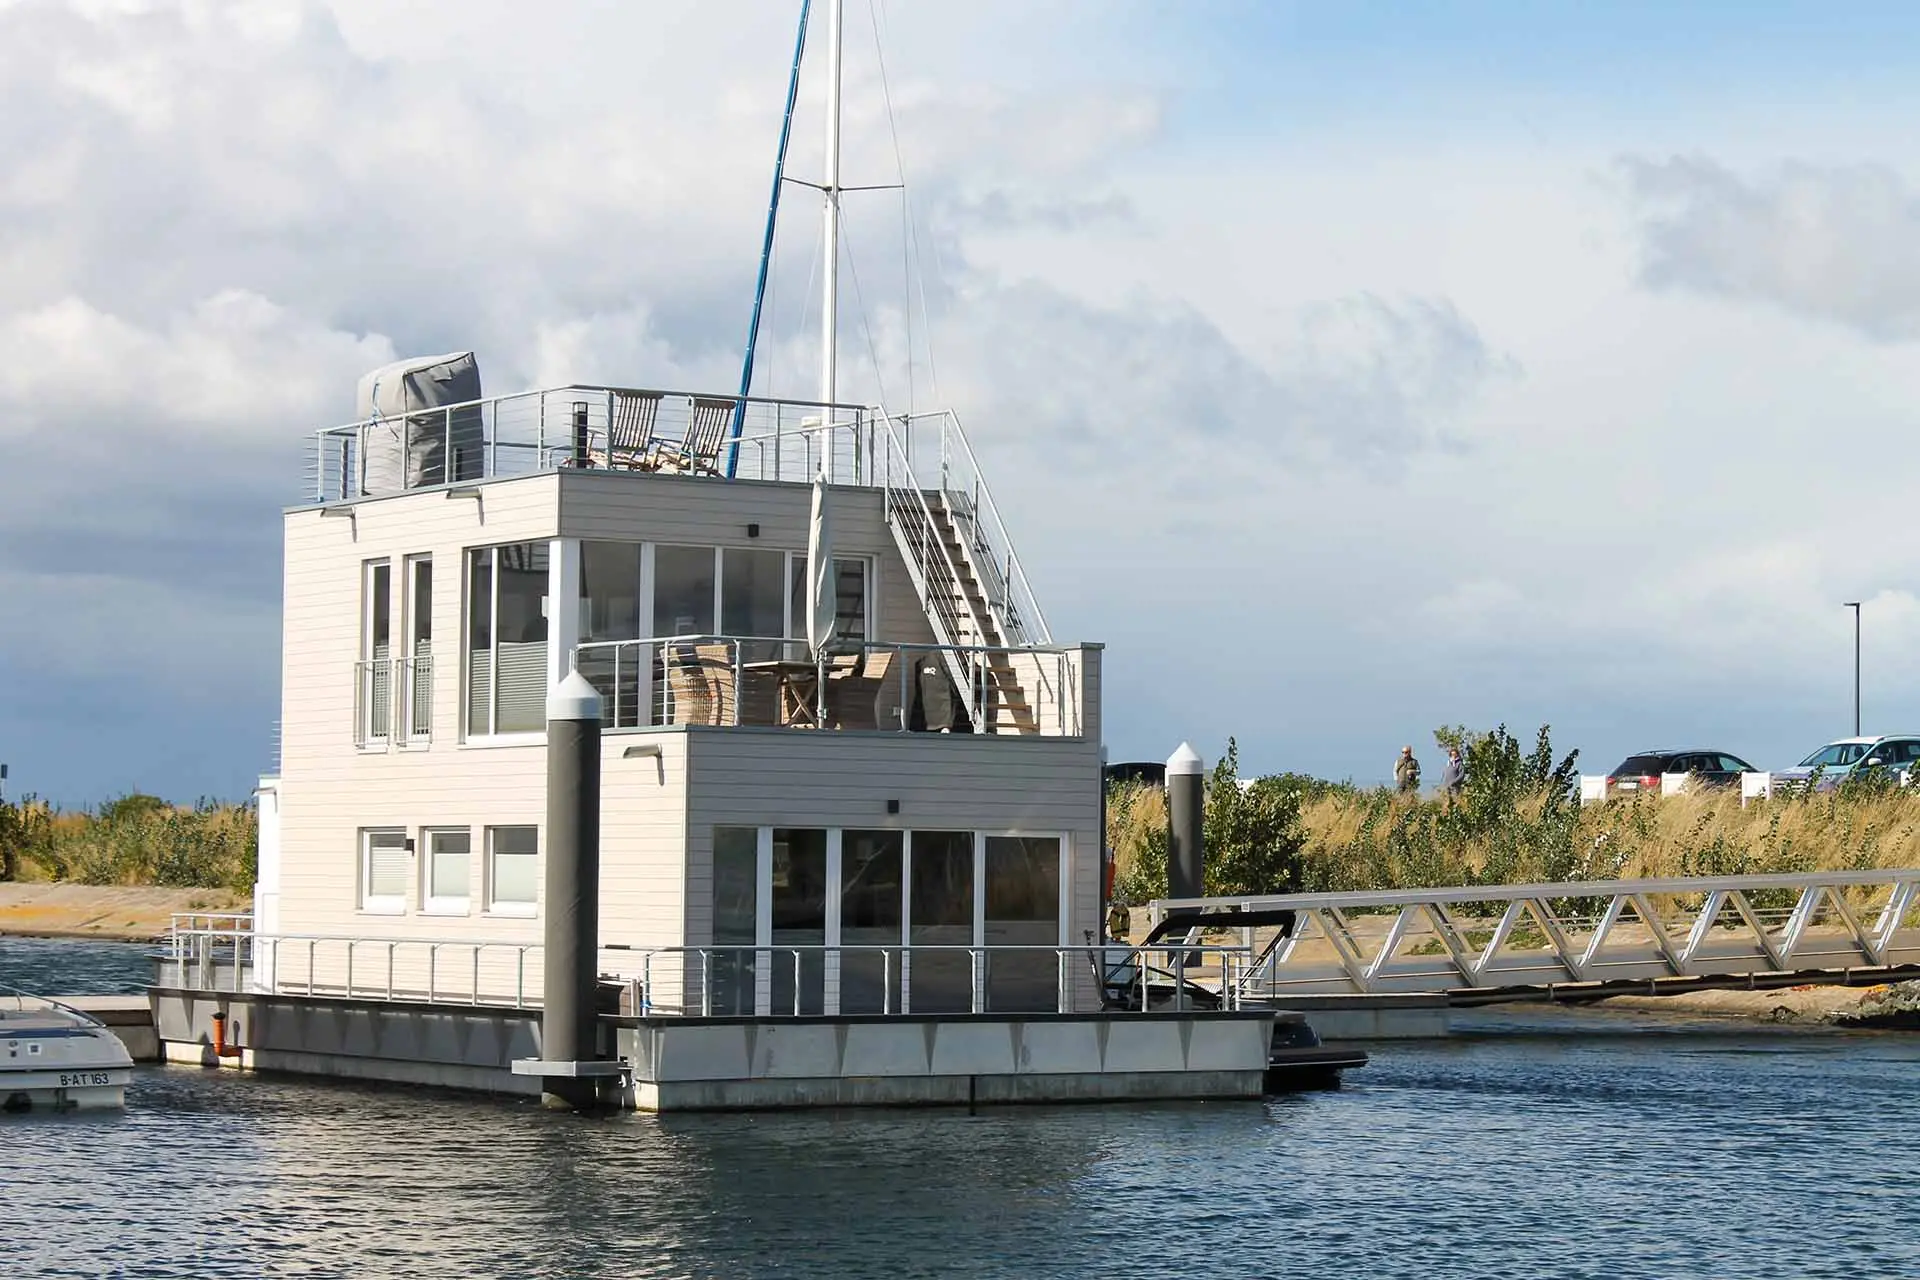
[850, 600]
[753, 595]
[683, 589]
[609, 591]
[513, 870]
[449, 872]
[383, 871]
[507, 639]
[374, 699]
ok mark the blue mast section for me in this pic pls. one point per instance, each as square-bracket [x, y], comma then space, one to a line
[766, 248]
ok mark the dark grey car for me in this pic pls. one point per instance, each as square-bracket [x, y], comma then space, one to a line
[1641, 771]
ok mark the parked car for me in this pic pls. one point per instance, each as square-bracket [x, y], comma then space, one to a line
[1641, 771]
[1849, 757]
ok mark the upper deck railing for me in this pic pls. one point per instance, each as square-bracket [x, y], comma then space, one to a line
[924, 463]
[590, 427]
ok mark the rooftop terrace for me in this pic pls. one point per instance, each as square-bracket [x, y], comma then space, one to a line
[992, 637]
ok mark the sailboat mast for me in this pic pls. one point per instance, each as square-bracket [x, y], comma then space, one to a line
[830, 232]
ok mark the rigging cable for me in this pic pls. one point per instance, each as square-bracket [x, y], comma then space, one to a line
[910, 238]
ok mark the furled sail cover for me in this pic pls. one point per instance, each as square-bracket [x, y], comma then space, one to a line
[410, 434]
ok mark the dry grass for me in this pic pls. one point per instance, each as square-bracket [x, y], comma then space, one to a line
[1367, 840]
[149, 843]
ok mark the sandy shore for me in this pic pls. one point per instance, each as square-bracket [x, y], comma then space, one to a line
[103, 911]
[1788, 1004]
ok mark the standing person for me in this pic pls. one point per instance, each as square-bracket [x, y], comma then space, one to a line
[1406, 773]
[1453, 778]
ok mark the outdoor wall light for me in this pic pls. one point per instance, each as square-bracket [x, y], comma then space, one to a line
[467, 492]
[893, 806]
[753, 531]
[638, 753]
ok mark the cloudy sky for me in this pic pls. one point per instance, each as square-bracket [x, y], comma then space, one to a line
[1347, 369]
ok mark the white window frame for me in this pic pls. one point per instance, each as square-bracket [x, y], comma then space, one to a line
[763, 895]
[516, 910]
[385, 905]
[365, 739]
[489, 737]
[408, 654]
[430, 903]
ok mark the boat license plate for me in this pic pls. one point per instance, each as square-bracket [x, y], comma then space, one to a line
[82, 1079]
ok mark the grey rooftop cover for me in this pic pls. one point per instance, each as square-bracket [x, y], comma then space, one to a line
[402, 447]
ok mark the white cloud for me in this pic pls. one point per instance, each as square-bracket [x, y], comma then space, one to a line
[1832, 242]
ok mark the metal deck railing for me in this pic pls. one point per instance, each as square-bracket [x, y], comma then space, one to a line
[773, 681]
[765, 981]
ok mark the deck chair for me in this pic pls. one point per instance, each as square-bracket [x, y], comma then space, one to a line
[716, 670]
[699, 450]
[630, 442]
[687, 685]
[862, 695]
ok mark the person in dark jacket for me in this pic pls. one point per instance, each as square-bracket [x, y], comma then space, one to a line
[1406, 773]
[1453, 778]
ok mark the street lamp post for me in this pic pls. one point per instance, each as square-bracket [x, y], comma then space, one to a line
[1855, 606]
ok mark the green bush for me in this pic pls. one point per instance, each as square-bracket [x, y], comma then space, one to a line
[134, 840]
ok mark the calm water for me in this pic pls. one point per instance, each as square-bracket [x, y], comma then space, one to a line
[59, 966]
[1630, 1147]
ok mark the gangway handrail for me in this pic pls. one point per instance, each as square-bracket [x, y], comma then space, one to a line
[1561, 889]
[1430, 941]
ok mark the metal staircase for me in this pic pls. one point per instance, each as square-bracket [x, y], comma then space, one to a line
[973, 591]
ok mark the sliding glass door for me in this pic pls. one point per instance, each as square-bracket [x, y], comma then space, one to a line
[858, 921]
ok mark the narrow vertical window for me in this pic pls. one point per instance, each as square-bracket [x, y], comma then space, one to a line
[383, 871]
[736, 917]
[799, 893]
[870, 869]
[513, 870]
[610, 627]
[1022, 893]
[416, 690]
[374, 672]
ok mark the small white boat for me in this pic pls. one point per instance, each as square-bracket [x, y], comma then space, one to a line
[55, 1058]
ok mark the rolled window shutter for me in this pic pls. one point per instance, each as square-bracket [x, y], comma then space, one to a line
[387, 871]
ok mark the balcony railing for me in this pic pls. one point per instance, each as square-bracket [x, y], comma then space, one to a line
[732, 681]
[392, 702]
[777, 981]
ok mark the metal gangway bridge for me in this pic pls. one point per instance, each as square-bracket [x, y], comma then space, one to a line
[1575, 940]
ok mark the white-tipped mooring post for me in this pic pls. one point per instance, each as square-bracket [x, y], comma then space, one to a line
[1186, 821]
[569, 1020]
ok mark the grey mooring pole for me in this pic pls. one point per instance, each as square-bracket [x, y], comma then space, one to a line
[1186, 819]
[569, 1021]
